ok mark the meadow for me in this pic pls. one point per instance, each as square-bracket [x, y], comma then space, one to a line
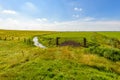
[21, 60]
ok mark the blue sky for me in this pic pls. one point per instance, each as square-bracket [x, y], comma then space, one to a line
[73, 15]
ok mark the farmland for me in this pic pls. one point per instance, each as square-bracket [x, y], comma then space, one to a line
[21, 60]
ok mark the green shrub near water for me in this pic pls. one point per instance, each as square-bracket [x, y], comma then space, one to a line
[109, 53]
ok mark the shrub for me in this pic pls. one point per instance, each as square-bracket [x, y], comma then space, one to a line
[109, 53]
[95, 44]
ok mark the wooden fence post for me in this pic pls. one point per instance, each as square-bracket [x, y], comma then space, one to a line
[85, 41]
[57, 41]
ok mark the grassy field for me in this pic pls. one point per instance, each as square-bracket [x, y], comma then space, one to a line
[21, 60]
[110, 34]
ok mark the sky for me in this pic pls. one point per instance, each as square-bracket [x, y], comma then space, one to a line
[60, 15]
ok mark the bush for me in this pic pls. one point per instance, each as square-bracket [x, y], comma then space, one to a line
[93, 44]
[109, 53]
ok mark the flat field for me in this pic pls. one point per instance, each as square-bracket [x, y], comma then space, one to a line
[21, 60]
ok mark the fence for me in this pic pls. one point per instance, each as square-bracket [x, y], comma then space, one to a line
[63, 41]
[22, 39]
[74, 41]
[50, 42]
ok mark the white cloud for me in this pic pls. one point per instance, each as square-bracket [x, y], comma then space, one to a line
[78, 9]
[41, 20]
[88, 26]
[9, 12]
[78, 25]
[11, 20]
[76, 16]
[4, 11]
[88, 19]
[0, 19]
[29, 6]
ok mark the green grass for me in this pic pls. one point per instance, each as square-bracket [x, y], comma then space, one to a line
[21, 61]
[112, 34]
